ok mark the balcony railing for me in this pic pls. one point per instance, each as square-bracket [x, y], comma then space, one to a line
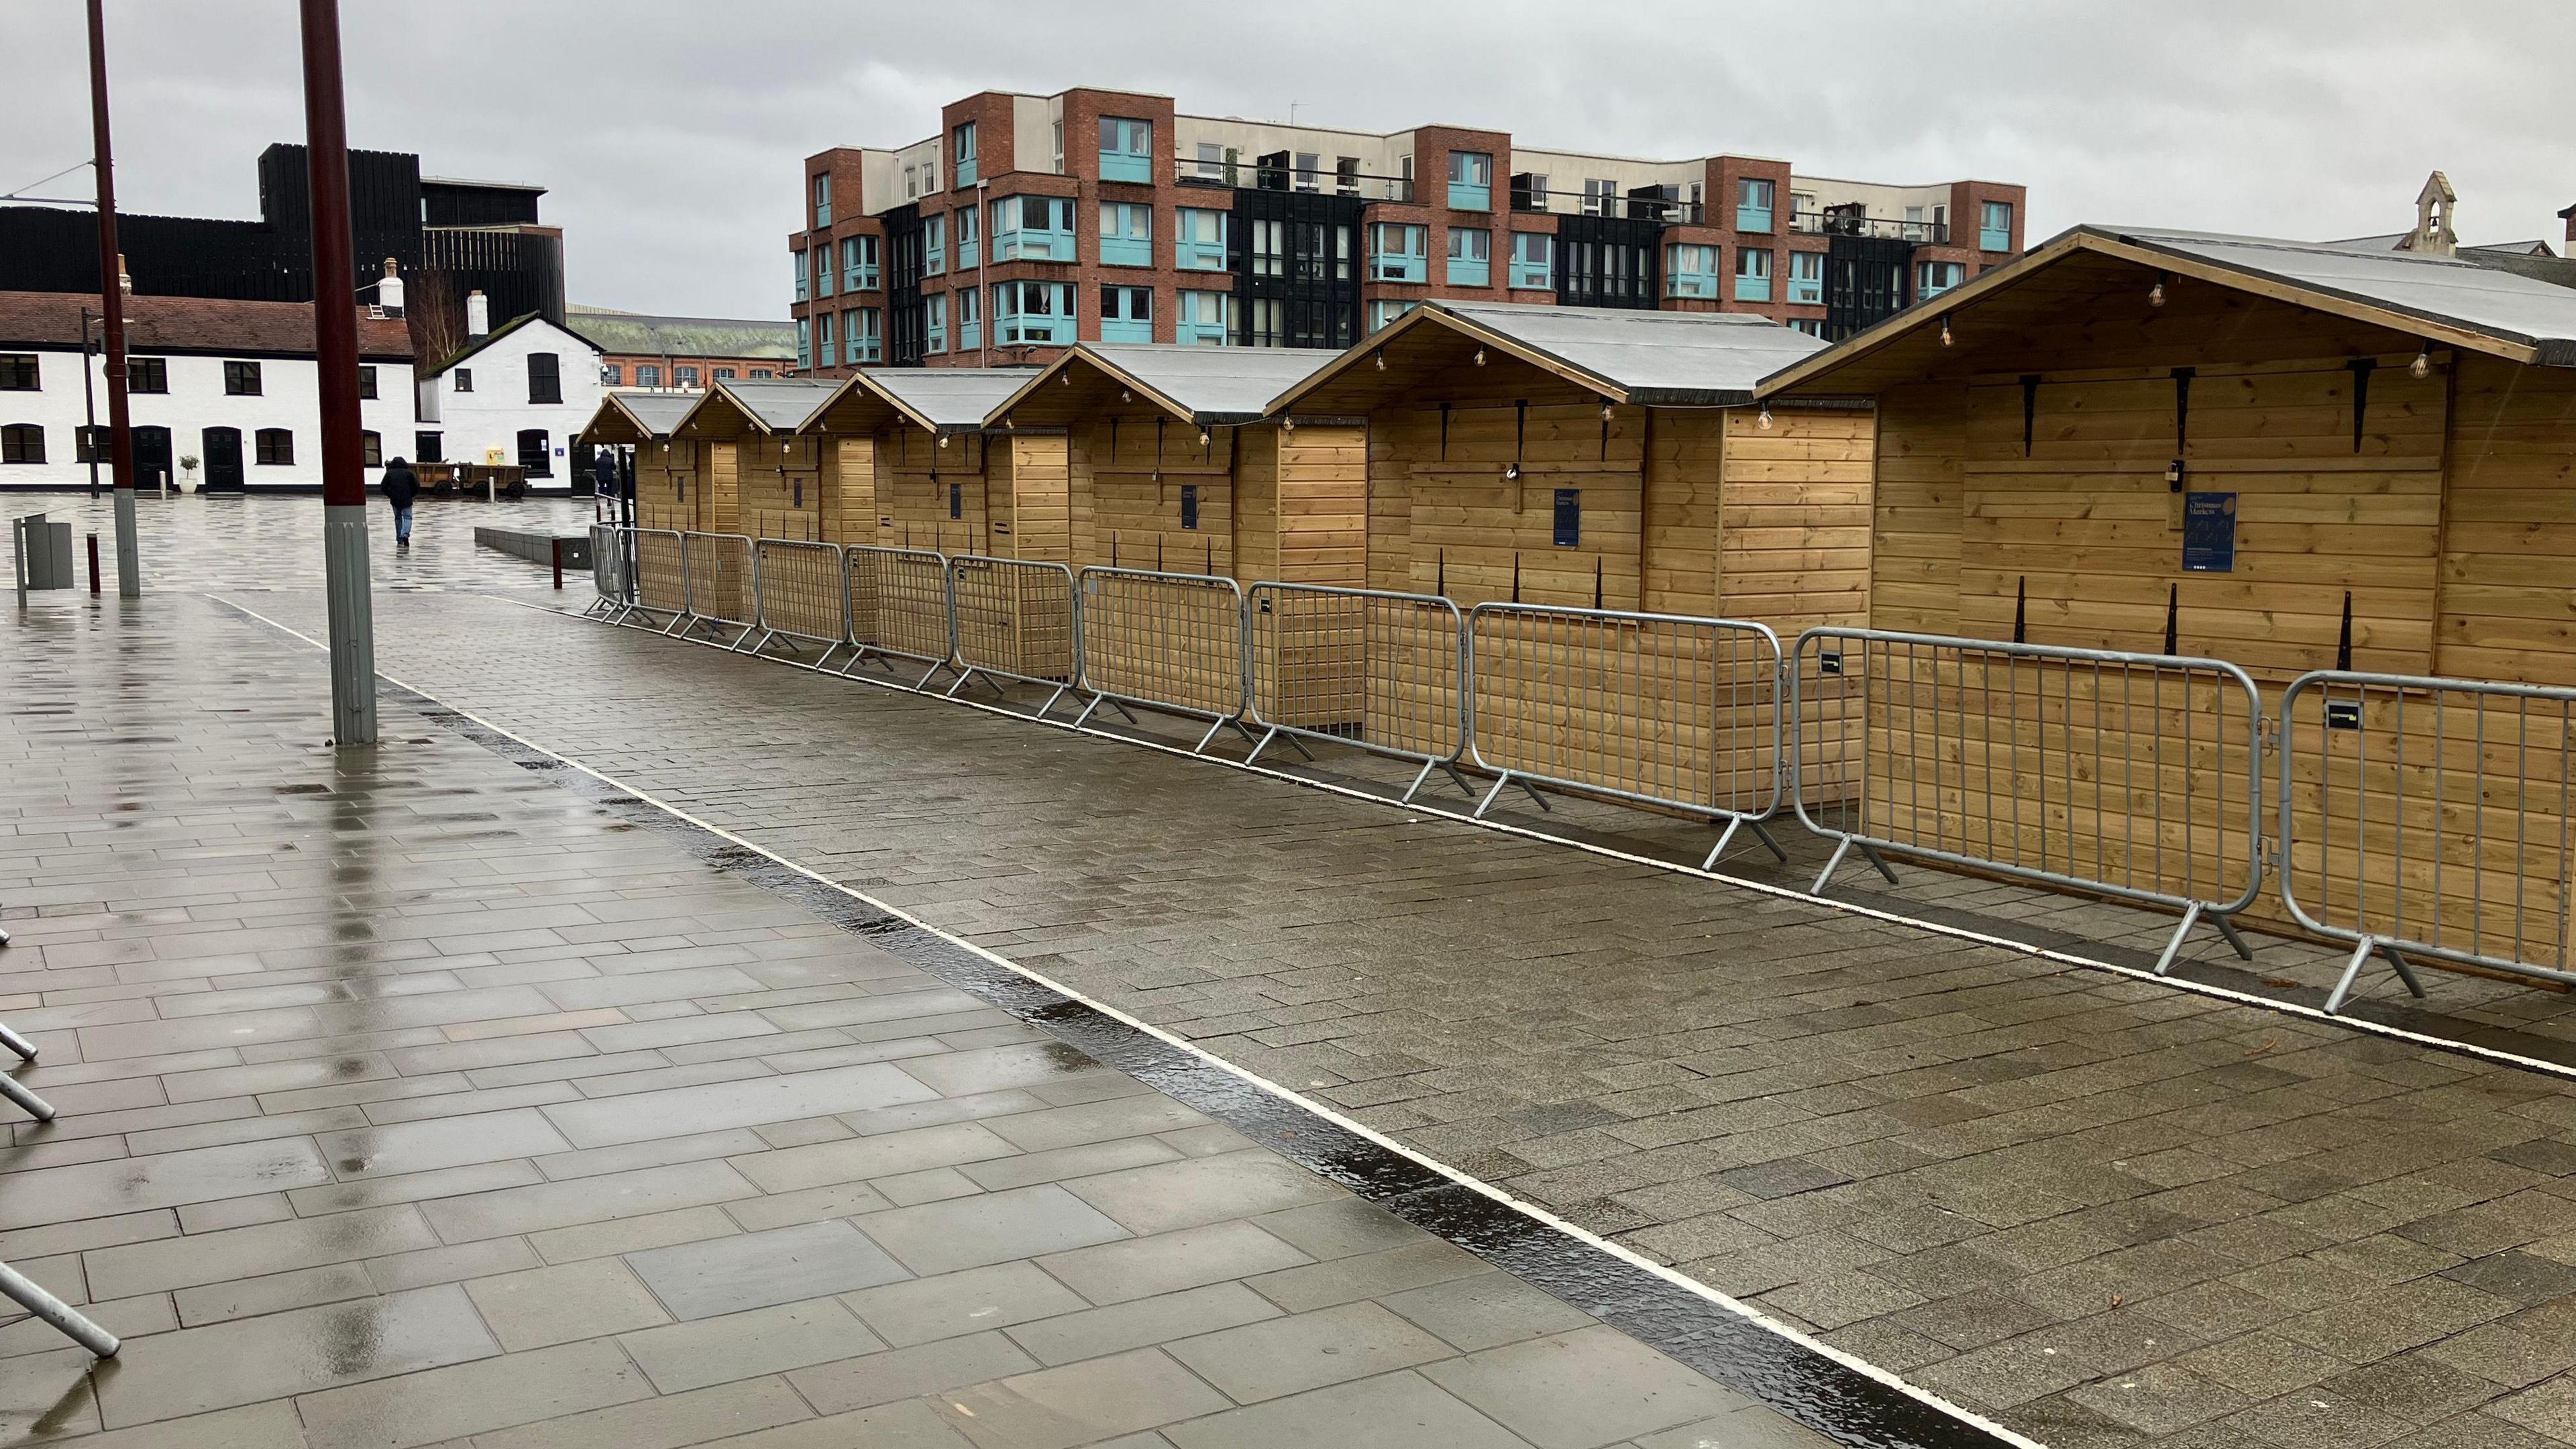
[1837, 223]
[1317, 181]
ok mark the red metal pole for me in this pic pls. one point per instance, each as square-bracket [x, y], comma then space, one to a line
[335, 344]
[93, 565]
[120, 432]
[558, 552]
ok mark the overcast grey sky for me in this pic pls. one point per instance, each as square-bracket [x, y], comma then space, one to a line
[669, 133]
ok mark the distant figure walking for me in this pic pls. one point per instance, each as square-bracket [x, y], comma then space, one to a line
[401, 486]
[603, 472]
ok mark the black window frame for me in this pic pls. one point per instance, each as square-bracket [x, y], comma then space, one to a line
[90, 443]
[367, 382]
[273, 448]
[464, 379]
[147, 375]
[14, 441]
[429, 447]
[544, 466]
[241, 378]
[549, 387]
[20, 372]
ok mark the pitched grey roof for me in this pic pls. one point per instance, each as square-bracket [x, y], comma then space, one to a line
[781, 404]
[1662, 359]
[658, 412]
[950, 397]
[1212, 385]
[639, 334]
[2462, 294]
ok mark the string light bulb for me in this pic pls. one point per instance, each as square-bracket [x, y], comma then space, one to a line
[2156, 293]
[1203, 437]
[1125, 396]
[1511, 472]
[1289, 423]
[1480, 357]
[1605, 410]
[1381, 359]
[2422, 366]
[943, 440]
[1065, 377]
[1945, 331]
[1762, 419]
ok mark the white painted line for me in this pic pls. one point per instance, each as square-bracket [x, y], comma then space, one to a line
[2497, 1055]
[1361, 1129]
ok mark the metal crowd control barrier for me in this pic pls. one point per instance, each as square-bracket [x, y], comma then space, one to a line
[2428, 817]
[1378, 671]
[800, 598]
[607, 571]
[17, 1286]
[718, 568]
[1167, 642]
[2137, 776]
[1663, 710]
[661, 578]
[1014, 619]
[897, 605]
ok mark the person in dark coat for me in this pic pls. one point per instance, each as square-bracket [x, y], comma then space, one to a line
[603, 472]
[401, 486]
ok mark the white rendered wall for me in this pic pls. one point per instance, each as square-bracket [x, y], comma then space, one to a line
[289, 398]
[494, 413]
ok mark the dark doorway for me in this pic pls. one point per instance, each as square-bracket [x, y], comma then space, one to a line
[223, 460]
[536, 457]
[151, 457]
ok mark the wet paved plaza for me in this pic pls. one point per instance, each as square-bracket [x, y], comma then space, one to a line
[2104, 1211]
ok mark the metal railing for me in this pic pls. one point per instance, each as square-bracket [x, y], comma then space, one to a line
[14, 1285]
[897, 605]
[1014, 619]
[1663, 710]
[607, 570]
[2428, 817]
[800, 599]
[1378, 671]
[661, 577]
[717, 569]
[1167, 642]
[2132, 775]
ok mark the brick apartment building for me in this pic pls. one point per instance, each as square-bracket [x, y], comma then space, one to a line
[1030, 222]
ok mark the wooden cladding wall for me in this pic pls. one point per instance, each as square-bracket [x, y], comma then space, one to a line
[1444, 518]
[851, 502]
[1127, 472]
[1920, 459]
[781, 481]
[1321, 518]
[919, 484]
[2508, 563]
[1793, 517]
[666, 491]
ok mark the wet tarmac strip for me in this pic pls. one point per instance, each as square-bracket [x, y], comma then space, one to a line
[1833, 1392]
[1855, 903]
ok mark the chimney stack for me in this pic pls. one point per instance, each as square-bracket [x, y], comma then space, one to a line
[389, 291]
[478, 314]
[2569, 216]
[125, 279]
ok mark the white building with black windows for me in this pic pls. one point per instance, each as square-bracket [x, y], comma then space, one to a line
[223, 393]
[516, 394]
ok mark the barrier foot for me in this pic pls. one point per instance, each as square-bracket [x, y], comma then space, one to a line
[1833, 863]
[1732, 824]
[1262, 744]
[28, 1102]
[53, 1310]
[951, 691]
[924, 682]
[2227, 928]
[1123, 712]
[1870, 852]
[2351, 969]
[1419, 776]
[1050, 701]
[1536, 798]
[2405, 972]
[1488, 802]
[1458, 779]
[1085, 717]
[1201, 747]
[2173, 946]
[25, 1049]
[1303, 753]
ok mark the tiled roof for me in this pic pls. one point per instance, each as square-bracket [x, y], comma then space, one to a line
[191, 324]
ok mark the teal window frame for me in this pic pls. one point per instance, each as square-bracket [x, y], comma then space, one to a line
[859, 264]
[1192, 253]
[820, 260]
[1121, 324]
[804, 344]
[1126, 149]
[1994, 226]
[1126, 234]
[1407, 262]
[1012, 326]
[866, 342]
[824, 355]
[1754, 198]
[1020, 241]
[1471, 181]
[961, 166]
[800, 275]
[822, 198]
[934, 322]
[1464, 270]
[934, 245]
[1925, 287]
[1190, 325]
[968, 221]
[1753, 285]
[1807, 279]
[1534, 260]
[1690, 270]
[1384, 313]
[970, 319]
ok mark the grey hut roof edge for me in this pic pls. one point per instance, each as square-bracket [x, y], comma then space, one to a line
[1208, 386]
[2441, 299]
[650, 414]
[1648, 358]
[935, 399]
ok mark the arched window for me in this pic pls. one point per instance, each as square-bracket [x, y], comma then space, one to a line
[275, 447]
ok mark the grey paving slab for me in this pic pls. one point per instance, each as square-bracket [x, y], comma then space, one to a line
[394, 1135]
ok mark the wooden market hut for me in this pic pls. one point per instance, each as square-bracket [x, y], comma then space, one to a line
[664, 468]
[2286, 455]
[916, 466]
[1174, 463]
[762, 478]
[1601, 457]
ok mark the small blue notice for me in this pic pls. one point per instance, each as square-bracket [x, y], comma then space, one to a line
[1569, 518]
[2209, 533]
